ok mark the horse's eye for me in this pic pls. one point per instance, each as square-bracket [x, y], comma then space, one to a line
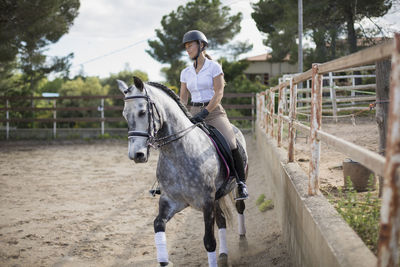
[142, 113]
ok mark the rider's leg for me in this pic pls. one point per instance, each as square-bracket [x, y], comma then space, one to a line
[219, 120]
[241, 176]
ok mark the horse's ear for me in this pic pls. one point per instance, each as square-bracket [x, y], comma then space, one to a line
[138, 83]
[122, 86]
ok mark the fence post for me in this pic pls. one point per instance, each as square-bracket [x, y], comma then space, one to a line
[258, 103]
[8, 123]
[292, 118]
[262, 109]
[388, 254]
[101, 108]
[265, 114]
[353, 83]
[55, 119]
[285, 102]
[333, 96]
[272, 111]
[252, 113]
[280, 114]
[316, 114]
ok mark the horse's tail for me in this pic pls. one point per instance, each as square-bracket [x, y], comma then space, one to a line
[225, 207]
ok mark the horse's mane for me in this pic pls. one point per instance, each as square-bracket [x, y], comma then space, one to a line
[174, 96]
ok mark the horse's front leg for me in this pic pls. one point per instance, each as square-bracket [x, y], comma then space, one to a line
[209, 239]
[221, 223]
[166, 210]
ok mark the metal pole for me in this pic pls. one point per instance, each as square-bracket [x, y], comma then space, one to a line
[388, 253]
[300, 51]
[7, 123]
[55, 119]
[316, 114]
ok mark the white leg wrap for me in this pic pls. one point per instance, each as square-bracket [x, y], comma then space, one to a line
[212, 259]
[161, 245]
[222, 241]
[241, 225]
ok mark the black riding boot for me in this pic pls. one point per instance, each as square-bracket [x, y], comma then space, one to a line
[241, 178]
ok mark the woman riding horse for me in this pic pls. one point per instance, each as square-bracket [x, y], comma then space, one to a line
[204, 81]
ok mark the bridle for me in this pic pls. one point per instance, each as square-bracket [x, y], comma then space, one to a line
[152, 131]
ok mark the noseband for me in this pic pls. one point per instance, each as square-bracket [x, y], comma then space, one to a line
[152, 130]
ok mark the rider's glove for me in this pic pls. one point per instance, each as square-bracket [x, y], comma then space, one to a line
[199, 117]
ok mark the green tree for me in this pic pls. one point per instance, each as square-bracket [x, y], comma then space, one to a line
[126, 76]
[278, 20]
[324, 21]
[208, 16]
[81, 87]
[26, 29]
[353, 11]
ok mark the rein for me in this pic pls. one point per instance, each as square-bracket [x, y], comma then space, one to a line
[152, 131]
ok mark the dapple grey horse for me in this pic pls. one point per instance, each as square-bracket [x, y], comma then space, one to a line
[189, 170]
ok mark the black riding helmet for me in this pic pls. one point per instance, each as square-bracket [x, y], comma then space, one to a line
[198, 36]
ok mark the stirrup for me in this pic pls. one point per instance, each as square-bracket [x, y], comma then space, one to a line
[155, 192]
[242, 193]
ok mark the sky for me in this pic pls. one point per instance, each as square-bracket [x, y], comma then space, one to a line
[110, 36]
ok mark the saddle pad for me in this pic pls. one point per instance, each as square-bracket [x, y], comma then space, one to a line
[223, 150]
[225, 154]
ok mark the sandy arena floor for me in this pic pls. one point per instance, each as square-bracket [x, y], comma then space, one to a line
[86, 204]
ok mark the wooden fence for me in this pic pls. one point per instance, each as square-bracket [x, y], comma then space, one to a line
[388, 166]
[54, 105]
[340, 92]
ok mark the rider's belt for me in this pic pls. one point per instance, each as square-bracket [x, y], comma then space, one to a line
[198, 104]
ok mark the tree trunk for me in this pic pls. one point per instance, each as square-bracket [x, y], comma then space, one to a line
[351, 32]
[382, 106]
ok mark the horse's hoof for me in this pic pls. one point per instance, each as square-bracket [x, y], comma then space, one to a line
[163, 264]
[243, 245]
[223, 260]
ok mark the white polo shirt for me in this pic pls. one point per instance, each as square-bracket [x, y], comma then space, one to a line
[201, 85]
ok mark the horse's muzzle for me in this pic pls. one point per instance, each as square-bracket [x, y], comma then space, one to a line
[139, 157]
[139, 154]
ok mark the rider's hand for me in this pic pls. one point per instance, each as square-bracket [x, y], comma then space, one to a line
[199, 117]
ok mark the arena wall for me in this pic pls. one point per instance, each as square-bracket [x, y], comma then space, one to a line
[315, 233]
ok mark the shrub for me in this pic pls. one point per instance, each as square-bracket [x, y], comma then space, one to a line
[361, 211]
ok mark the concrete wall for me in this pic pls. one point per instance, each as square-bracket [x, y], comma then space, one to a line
[315, 233]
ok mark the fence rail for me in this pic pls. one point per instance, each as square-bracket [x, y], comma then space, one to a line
[388, 166]
[101, 108]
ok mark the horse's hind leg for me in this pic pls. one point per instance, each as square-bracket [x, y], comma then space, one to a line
[221, 223]
[209, 239]
[166, 210]
[240, 207]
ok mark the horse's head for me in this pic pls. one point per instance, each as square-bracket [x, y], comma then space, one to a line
[138, 112]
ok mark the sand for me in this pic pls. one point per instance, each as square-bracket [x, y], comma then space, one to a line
[81, 203]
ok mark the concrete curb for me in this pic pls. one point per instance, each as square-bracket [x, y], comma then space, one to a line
[315, 233]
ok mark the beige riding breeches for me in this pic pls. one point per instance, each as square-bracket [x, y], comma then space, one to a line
[219, 120]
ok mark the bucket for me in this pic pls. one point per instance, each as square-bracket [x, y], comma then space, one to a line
[359, 175]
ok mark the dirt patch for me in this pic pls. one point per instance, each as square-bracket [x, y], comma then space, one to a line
[364, 132]
[87, 204]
